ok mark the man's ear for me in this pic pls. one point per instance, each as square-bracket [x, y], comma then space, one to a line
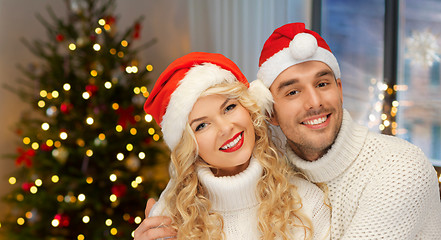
[273, 119]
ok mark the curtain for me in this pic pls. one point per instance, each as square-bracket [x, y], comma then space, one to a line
[238, 28]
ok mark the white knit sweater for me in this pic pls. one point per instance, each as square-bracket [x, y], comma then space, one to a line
[234, 197]
[380, 187]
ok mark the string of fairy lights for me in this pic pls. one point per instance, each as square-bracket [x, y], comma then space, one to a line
[380, 118]
[60, 153]
[423, 50]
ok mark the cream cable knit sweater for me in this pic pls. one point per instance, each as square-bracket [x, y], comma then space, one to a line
[234, 198]
[380, 187]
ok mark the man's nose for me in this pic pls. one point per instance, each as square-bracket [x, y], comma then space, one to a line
[312, 99]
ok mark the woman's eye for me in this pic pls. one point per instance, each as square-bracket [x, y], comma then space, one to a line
[200, 126]
[230, 107]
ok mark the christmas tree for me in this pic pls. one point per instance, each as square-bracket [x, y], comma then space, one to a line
[87, 155]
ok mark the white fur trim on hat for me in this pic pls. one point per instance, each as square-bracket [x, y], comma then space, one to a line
[263, 96]
[301, 49]
[197, 80]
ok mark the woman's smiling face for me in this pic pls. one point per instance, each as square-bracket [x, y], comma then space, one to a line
[224, 133]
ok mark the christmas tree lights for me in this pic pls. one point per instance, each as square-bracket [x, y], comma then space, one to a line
[89, 157]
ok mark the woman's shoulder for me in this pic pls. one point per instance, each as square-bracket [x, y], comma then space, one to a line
[314, 205]
[158, 208]
[307, 190]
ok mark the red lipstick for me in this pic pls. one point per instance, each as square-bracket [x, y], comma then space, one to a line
[230, 141]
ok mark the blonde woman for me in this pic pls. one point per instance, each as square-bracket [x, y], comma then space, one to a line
[227, 179]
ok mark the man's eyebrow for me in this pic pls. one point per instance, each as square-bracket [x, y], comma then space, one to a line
[325, 72]
[286, 84]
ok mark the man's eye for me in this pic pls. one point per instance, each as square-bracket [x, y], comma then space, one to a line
[322, 84]
[200, 126]
[293, 92]
[230, 107]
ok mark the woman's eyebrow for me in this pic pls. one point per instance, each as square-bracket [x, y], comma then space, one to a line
[202, 118]
[196, 120]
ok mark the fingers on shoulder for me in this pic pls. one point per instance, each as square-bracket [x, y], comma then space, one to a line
[155, 227]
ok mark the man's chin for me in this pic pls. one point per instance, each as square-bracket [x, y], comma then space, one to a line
[317, 146]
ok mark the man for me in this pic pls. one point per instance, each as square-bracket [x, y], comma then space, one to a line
[379, 187]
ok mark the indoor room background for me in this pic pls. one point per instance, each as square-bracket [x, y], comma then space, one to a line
[388, 51]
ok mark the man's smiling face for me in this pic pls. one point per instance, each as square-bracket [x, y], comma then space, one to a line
[308, 107]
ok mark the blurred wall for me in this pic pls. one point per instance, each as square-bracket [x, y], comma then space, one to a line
[165, 20]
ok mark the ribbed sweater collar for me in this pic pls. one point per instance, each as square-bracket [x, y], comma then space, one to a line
[232, 192]
[343, 152]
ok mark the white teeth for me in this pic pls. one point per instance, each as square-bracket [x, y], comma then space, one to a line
[233, 143]
[316, 121]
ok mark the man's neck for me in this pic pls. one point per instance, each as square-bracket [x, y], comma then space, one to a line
[307, 154]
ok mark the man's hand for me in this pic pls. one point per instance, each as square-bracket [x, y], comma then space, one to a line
[154, 227]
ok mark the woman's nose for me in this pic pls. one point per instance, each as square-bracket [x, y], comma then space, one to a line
[225, 126]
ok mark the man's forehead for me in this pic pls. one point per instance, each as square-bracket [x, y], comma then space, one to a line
[313, 68]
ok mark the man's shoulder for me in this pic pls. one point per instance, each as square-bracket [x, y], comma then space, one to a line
[391, 144]
[387, 138]
[391, 153]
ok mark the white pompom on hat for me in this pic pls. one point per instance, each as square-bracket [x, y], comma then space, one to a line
[303, 46]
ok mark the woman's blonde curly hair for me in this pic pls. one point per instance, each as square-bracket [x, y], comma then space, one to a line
[187, 200]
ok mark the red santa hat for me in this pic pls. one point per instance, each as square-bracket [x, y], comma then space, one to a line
[183, 81]
[289, 45]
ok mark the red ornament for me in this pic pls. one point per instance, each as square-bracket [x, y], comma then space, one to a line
[119, 190]
[25, 157]
[63, 219]
[45, 147]
[66, 107]
[19, 132]
[148, 140]
[60, 37]
[110, 20]
[125, 116]
[27, 186]
[91, 89]
[137, 32]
